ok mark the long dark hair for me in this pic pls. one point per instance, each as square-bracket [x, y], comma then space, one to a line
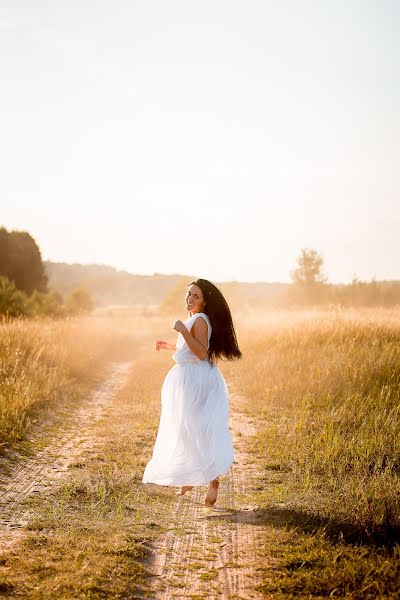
[223, 342]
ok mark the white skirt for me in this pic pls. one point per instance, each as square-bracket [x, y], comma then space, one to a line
[193, 444]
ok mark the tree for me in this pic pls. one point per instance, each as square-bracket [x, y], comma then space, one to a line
[309, 268]
[174, 302]
[12, 301]
[21, 261]
[50, 304]
[309, 282]
[5, 251]
[26, 262]
[79, 302]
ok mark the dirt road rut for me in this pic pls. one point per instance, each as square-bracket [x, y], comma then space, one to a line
[23, 476]
[212, 554]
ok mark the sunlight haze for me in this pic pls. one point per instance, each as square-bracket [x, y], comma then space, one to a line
[206, 138]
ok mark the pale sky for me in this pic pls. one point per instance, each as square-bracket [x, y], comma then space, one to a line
[214, 138]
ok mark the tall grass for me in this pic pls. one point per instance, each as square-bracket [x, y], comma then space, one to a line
[328, 391]
[90, 537]
[47, 361]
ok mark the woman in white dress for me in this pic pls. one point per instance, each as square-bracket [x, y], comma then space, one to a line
[194, 445]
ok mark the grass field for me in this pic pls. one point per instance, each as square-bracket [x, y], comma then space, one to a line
[325, 388]
[45, 362]
[89, 537]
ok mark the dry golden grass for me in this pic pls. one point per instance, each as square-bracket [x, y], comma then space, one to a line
[89, 538]
[325, 389]
[43, 362]
[325, 386]
[331, 386]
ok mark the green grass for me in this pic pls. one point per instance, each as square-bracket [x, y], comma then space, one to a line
[311, 565]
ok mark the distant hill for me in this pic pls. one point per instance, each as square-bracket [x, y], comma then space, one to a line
[109, 286]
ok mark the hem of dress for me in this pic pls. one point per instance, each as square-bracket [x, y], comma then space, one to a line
[180, 484]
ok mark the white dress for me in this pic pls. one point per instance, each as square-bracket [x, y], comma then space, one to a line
[193, 444]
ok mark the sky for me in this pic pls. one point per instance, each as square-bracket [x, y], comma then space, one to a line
[211, 138]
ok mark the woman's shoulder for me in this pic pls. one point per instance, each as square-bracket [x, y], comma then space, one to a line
[200, 314]
[205, 317]
[190, 320]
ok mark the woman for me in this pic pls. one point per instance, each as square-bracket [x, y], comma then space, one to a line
[194, 445]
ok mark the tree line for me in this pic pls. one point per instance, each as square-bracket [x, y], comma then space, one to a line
[24, 285]
[310, 286]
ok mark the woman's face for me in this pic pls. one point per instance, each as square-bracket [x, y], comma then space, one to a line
[194, 299]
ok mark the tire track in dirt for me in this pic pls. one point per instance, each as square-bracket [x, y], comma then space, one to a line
[212, 554]
[21, 477]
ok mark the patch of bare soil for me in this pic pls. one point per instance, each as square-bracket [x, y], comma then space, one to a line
[212, 553]
[52, 451]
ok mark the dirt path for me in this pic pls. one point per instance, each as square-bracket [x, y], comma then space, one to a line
[53, 452]
[210, 554]
[205, 554]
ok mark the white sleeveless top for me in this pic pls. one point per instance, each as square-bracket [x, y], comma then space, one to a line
[183, 353]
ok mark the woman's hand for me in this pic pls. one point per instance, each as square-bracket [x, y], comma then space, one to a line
[179, 326]
[162, 345]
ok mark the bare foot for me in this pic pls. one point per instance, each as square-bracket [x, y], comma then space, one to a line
[212, 493]
[184, 489]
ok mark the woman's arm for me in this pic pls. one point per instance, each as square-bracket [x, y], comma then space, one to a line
[197, 338]
[163, 345]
